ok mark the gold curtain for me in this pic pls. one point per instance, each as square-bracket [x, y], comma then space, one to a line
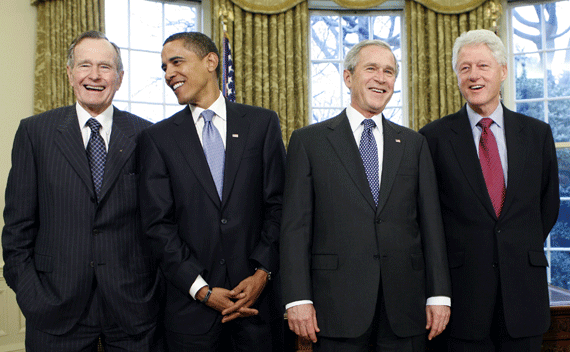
[432, 84]
[58, 23]
[270, 55]
[278, 6]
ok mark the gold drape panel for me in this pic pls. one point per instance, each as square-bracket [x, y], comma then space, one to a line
[58, 23]
[278, 6]
[432, 84]
[270, 55]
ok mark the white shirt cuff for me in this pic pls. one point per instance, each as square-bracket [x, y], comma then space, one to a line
[439, 301]
[197, 285]
[298, 303]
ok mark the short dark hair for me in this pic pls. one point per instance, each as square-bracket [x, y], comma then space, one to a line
[197, 42]
[92, 35]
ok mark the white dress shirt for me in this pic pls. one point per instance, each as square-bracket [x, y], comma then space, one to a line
[105, 119]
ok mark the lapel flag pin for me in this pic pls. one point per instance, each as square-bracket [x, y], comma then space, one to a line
[235, 135]
[398, 141]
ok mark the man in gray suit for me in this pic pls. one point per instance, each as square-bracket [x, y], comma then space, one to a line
[363, 257]
[74, 250]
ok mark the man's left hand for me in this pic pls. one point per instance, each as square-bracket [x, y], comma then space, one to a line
[246, 292]
[437, 319]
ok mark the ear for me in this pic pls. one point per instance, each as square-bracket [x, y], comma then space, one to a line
[212, 62]
[504, 71]
[347, 78]
[69, 75]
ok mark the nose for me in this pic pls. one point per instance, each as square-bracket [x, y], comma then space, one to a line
[474, 74]
[380, 76]
[168, 73]
[94, 74]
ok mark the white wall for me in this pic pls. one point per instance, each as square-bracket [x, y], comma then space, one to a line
[17, 51]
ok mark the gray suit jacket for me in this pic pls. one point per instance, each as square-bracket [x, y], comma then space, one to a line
[57, 239]
[341, 251]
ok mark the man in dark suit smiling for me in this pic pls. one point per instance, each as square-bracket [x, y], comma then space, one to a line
[73, 243]
[362, 246]
[498, 182]
[211, 189]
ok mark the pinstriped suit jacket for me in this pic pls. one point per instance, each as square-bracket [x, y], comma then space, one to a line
[57, 239]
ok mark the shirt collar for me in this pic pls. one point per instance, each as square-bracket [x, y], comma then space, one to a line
[355, 118]
[218, 107]
[105, 118]
[496, 116]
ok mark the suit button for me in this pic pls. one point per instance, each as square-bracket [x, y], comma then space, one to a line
[92, 264]
[95, 232]
[495, 264]
[376, 256]
[224, 221]
[222, 262]
[378, 221]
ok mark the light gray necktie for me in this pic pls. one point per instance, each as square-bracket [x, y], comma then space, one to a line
[213, 149]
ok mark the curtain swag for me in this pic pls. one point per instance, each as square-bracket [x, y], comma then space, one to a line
[278, 6]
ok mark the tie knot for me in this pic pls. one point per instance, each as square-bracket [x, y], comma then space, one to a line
[369, 123]
[94, 125]
[207, 115]
[485, 122]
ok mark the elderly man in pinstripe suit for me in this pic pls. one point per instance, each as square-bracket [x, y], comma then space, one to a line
[73, 246]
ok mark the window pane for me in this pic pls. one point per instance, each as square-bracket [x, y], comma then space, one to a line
[558, 23]
[529, 76]
[172, 109]
[526, 27]
[324, 114]
[115, 22]
[558, 73]
[394, 115]
[560, 266]
[326, 84]
[151, 112]
[324, 37]
[179, 19]
[123, 92]
[535, 110]
[146, 81]
[559, 119]
[387, 28]
[355, 29]
[146, 24]
[563, 155]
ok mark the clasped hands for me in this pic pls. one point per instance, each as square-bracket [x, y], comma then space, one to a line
[236, 303]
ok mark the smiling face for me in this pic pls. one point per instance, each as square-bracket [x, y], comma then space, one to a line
[480, 76]
[371, 83]
[193, 79]
[94, 76]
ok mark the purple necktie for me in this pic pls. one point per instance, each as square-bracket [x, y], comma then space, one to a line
[97, 154]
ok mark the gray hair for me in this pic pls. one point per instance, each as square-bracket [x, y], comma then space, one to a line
[477, 37]
[93, 35]
[352, 57]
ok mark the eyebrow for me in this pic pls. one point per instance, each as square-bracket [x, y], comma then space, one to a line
[171, 59]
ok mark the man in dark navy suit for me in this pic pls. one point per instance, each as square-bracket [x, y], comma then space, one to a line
[498, 184]
[73, 244]
[211, 188]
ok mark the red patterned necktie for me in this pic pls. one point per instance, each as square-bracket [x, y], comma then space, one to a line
[491, 165]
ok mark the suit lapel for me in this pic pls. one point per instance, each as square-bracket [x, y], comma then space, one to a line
[70, 143]
[121, 146]
[516, 154]
[236, 138]
[186, 137]
[393, 152]
[461, 142]
[342, 141]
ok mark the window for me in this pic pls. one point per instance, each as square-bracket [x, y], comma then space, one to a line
[333, 33]
[541, 76]
[139, 27]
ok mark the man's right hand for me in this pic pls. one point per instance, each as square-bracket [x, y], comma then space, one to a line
[303, 321]
[220, 299]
